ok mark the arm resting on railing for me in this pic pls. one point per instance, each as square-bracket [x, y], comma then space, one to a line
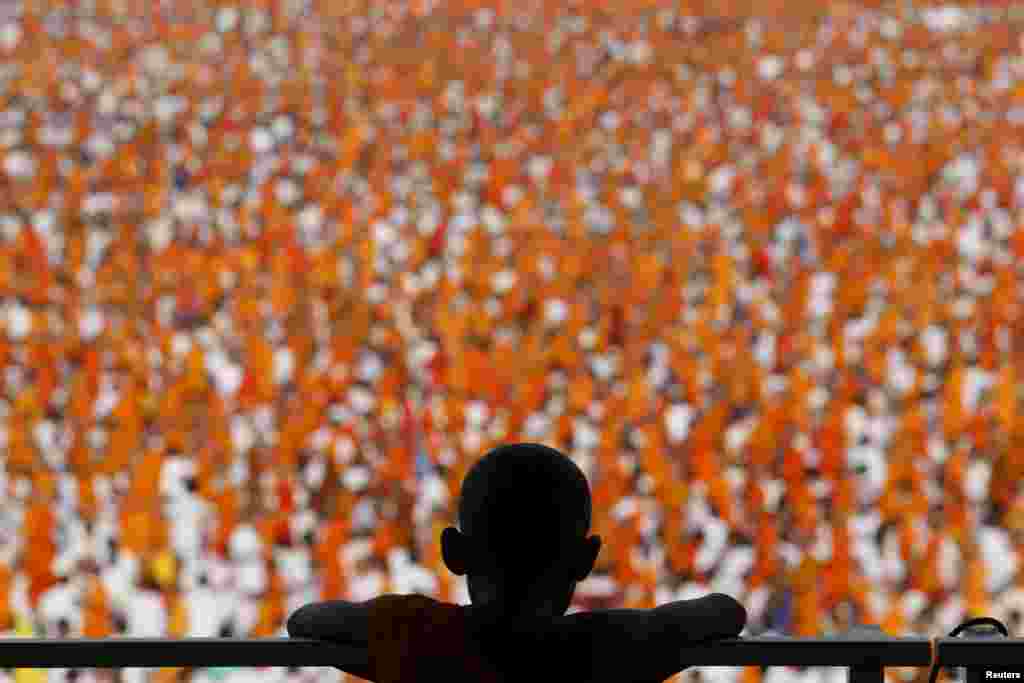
[648, 644]
[337, 621]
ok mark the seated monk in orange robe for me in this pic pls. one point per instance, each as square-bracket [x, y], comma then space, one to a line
[525, 511]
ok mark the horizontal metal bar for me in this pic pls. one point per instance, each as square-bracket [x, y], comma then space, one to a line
[783, 651]
[115, 653]
[974, 651]
[118, 653]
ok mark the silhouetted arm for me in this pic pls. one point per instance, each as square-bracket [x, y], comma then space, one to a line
[645, 645]
[338, 621]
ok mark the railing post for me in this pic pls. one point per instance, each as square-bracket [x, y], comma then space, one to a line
[867, 672]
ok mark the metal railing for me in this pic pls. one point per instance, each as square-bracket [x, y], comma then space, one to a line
[865, 658]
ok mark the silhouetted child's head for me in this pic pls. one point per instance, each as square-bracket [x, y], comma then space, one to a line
[524, 513]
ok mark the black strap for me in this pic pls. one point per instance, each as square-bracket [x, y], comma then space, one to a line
[977, 621]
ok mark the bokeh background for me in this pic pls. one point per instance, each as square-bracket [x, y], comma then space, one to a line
[273, 274]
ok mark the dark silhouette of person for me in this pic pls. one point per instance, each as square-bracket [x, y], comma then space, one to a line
[524, 512]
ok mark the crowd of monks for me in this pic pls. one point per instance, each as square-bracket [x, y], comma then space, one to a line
[758, 273]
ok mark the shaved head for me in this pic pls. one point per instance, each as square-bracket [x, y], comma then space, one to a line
[522, 503]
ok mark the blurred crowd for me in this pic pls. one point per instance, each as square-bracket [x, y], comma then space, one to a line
[274, 273]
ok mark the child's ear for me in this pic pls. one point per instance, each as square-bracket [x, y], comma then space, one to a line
[454, 551]
[589, 552]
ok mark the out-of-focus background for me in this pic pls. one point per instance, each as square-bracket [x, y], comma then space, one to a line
[274, 273]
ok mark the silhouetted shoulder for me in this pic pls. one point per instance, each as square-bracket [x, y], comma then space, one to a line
[416, 638]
